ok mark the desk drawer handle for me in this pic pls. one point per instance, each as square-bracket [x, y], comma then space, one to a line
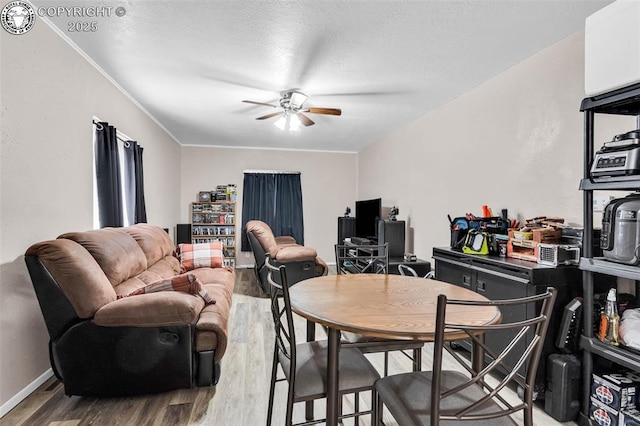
[466, 280]
[501, 275]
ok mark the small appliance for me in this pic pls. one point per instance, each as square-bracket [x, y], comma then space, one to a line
[619, 157]
[558, 254]
[620, 237]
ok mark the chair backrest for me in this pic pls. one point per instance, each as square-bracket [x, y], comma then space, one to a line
[263, 235]
[362, 259]
[281, 311]
[527, 345]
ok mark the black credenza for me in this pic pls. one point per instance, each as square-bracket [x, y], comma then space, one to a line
[503, 278]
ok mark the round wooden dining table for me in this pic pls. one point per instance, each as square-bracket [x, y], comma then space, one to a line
[387, 306]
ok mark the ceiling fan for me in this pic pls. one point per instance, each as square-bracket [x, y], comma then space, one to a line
[292, 113]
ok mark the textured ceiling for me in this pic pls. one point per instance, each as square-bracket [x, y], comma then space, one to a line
[384, 63]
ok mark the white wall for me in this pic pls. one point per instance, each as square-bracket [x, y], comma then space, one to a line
[328, 186]
[49, 94]
[514, 142]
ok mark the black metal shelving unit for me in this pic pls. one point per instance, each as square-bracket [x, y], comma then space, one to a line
[624, 101]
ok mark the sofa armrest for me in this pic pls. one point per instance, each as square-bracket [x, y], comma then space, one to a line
[321, 267]
[149, 310]
[285, 239]
[212, 327]
[295, 253]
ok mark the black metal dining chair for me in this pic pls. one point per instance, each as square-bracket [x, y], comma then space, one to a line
[428, 397]
[305, 364]
[408, 271]
[373, 259]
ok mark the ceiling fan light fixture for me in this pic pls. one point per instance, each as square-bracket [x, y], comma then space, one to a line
[294, 123]
[289, 122]
[281, 123]
[297, 99]
[292, 116]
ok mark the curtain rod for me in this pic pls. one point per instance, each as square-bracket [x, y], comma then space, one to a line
[271, 172]
[119, 135]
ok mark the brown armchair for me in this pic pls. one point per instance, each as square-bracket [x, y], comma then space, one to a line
[302, 262]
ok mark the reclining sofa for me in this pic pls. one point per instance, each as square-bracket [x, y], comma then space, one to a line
[105, 344]
[302, 262]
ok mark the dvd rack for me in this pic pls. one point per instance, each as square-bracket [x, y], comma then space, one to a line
[215, 221]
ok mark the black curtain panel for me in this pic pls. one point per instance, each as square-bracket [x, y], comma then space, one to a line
[140, 208]
[108, 176]
[257, 201]
[276, 199]
[288, 207]
[136, 211]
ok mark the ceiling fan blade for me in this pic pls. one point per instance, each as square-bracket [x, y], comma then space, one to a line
[273, 114]
[261, 103]
[305, 120]
[328, 111]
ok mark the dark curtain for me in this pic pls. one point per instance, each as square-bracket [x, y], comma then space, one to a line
[276, 199]
[108, 176]
[288, 211]
[129, 182]
[135, 183]
[257, 201]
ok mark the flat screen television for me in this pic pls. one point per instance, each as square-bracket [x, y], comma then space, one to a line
[368, 213]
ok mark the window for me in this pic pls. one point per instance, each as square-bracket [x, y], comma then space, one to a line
[118, 178]
[276, 199]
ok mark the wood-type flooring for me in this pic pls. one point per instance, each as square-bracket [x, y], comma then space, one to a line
[239, 399]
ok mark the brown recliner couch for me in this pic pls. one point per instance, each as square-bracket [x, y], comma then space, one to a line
[302, 262]
[103, 344]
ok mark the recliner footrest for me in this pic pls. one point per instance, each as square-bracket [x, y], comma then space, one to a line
[208, 370]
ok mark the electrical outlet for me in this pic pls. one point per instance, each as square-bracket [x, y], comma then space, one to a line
[600, 202]
[247, 254]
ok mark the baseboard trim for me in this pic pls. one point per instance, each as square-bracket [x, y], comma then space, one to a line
[28, 390]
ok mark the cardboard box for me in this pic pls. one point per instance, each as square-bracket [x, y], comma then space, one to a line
[546, 235]
[602, 415]
[522, 249]
[615, 390]
[629, 417]
[520, 235]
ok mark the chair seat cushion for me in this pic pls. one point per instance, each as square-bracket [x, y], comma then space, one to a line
[356, 372]
[407, 396]
[295, 253]
[151, 310]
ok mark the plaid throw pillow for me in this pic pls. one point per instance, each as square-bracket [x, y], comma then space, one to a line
[187, 283]
[208, 255]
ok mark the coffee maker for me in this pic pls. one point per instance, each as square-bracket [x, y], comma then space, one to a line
[620, 237]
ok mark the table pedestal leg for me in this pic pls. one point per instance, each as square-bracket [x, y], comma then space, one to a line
[332, 377]
[477, 355]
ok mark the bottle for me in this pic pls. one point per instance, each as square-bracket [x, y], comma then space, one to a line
[610, 320]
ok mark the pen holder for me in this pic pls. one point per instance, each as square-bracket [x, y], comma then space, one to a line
[458, 237]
